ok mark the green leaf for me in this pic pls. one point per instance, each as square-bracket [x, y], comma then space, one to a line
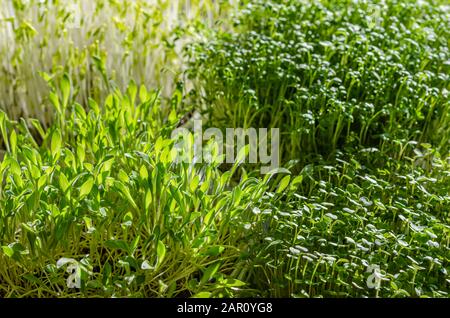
[106, 273]
[13, 142]
[176, 98]
[215, 251]
[94, 284]
[63, 182]
[148, 198]
[56, 144]
[14, 167]
[143, 173]
[160, 253]
[14, 250]
[194, 183]
[3, 120]
[65, 90]
[233, 283]
[202, 295]
[173, 116]
[117, 245]
[41, 182]
[128, 217]
[86, 188]
[123, 176]
[134, 244]
[8, 251]
[55, 101]
[143, 94]
[33, 279]
[283, 183]
[37, 125]
[94, 106]
[209, 273]
[46, 77]
[124, 190]
[159, 144]
[79, 110]
[297, 180]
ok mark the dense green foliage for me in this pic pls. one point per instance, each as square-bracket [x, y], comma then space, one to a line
[360, 92]
[359, 89]
[332, 73]
[103, 190]
[344, 218]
